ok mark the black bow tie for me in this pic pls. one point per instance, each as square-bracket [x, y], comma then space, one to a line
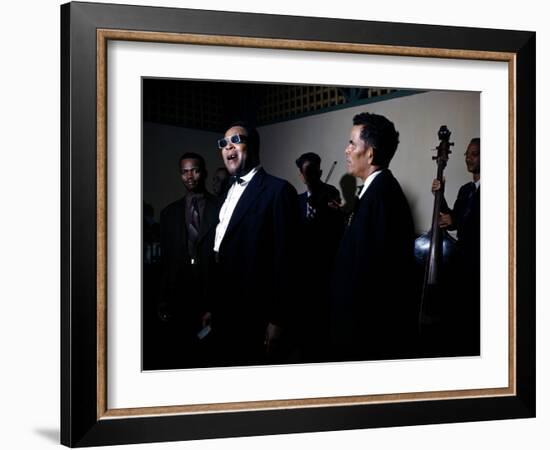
[236, 179]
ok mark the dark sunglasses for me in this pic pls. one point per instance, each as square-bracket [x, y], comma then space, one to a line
[235, 139]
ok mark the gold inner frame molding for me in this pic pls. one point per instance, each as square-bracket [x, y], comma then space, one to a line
[105, 35]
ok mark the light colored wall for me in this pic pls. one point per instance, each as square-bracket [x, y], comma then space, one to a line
[417, 118]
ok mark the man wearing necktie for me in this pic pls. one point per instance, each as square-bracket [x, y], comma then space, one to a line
[374, 312]
[253, 249]
[465, 219]
[185, 226]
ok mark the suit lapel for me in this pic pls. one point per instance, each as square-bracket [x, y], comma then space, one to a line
[209, 216]
[370, 193]
[252, 191]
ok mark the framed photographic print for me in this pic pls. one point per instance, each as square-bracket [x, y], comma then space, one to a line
[167, 335]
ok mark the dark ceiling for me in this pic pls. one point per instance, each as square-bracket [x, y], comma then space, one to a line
[212, 105]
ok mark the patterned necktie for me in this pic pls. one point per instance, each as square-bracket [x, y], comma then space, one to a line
[310, 211]
[194, 222]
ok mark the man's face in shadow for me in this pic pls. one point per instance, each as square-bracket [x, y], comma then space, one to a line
[472, 158]
[310, 173]
[220, 178]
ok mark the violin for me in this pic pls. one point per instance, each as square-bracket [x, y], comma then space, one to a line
[320, 198]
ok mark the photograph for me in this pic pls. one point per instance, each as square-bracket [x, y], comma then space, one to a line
[312, 261]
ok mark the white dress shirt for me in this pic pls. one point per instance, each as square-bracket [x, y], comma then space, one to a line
[226, 211]
[368, 181]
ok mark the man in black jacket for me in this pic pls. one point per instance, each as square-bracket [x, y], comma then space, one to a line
[185, 227]
[374, 314]
[321, 228]
[253, 250]
[463, 316]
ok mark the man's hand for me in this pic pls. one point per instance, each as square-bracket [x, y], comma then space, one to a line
[436, 185]
[445, 220]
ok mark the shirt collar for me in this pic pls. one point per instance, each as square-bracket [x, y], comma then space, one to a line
[246, 178]
[194, 195]
[368, 181]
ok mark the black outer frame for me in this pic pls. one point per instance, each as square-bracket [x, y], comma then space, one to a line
[79, 423]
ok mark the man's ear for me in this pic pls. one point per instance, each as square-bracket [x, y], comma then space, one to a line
[370, 154]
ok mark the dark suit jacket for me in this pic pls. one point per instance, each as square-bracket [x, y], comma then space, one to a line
[319, 239]
[320, 199]
[466, 214]
[183, 284]
[255, 266]
[320, 236]
[463, 315]
[374, 311]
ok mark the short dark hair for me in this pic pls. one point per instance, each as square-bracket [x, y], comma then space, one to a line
[312, 158]
[379, 133]
[191, 155]
[253, 137]
[475, 141]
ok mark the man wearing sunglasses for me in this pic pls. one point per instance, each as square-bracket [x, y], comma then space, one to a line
[253, 250]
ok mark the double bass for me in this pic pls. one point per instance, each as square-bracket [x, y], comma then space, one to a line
[435, 250]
